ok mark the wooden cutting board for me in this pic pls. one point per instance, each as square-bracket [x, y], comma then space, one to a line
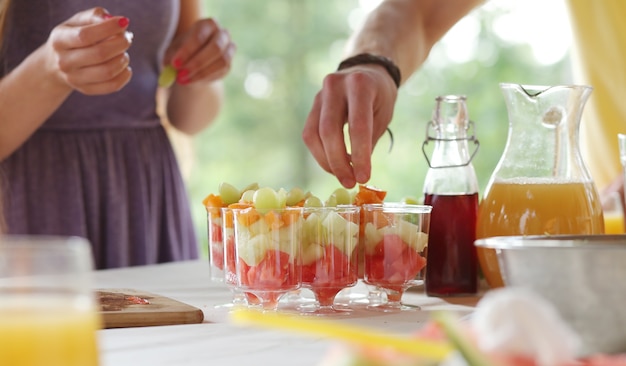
[122, 308]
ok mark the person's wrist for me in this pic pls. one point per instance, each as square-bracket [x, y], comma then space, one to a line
[368, 58]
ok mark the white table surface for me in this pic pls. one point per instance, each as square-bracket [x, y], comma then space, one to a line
[218, 342]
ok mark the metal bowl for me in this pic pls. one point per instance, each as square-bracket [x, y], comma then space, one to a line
[584, 276]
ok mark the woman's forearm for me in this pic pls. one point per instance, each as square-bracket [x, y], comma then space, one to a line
[29, 94]
[191, 108]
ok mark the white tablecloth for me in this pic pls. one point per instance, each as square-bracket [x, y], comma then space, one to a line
[218, 342]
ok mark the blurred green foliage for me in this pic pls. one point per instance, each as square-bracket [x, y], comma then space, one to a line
[284, 50]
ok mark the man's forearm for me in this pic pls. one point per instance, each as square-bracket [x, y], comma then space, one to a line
[406, 30]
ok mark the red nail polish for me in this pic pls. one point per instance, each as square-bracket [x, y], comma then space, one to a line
[177, 63]
[123, 22]
[182, 77]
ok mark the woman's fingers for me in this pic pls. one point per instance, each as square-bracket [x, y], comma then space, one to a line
[96, 54]
[89, 51]
[205, 52]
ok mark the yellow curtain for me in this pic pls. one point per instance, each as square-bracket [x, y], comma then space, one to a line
[599, 34]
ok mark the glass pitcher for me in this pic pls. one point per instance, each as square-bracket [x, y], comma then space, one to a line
[540, 185]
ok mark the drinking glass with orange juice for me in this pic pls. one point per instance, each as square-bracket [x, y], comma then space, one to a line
[540, 185]
[48, 311]
[614, 217]
[613, 214]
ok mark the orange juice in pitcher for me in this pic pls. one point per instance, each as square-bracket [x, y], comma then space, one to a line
[540, 185]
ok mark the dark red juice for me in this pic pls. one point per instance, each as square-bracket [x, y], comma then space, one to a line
[452, 265]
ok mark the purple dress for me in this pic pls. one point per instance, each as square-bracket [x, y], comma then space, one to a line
[101, 167]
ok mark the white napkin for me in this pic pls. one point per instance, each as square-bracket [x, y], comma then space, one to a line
[518, 321]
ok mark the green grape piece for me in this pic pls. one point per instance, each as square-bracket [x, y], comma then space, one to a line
[294, 196]
[282, 197]
[313, 201]
[247, 195]
[410, 200]
[229, 193]
[265, 199]
[167, 76]
[343, 196]
[331, 201]
[251, 187]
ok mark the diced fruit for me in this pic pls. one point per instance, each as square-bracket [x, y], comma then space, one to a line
[328, 257]
[247, 196]
[214, 225]
[251, 187]
[313, 201]
[372, 237]
[295, 196]
[331, 201]
[410, 234]
[216, 230]
[217, 255]
[329, 274]
[248, 216]
[392, 263]
[368, 194]
[281, 194]
[229, 193]
[311, 253]
[229, 253]
[312, 248]
[287, 240]
[213, 200]
[167, 76]
[252, 249]
[258, 233]
[241, 205]
[258, 227]
[410, 200]
[342, 196]
[272, 273]
[265, 199]
[341, 233]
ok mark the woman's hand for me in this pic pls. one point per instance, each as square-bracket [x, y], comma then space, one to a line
[202, 53]
[88, 52]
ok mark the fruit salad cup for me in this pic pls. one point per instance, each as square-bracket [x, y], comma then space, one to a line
[268, 252]
[216, 243]
[329, 255]
[230, 263]
[395, 237]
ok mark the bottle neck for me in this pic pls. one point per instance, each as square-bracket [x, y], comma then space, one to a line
[450, 145]
[450, 168]
[450, 164]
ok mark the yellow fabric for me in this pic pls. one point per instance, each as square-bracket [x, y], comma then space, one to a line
[599, 28]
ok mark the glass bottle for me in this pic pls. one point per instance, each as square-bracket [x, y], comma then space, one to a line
[451, 188]
[540, 185]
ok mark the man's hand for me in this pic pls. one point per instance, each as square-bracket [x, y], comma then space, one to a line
[362, 96]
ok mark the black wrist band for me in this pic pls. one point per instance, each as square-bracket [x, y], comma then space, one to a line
[368, 58]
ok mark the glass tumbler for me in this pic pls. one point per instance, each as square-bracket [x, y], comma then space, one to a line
[48, 311]
[267, 247]
[396, 236]
[216, 242]
[329, 254]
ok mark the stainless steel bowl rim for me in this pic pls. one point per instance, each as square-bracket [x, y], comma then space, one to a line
[596, 242]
